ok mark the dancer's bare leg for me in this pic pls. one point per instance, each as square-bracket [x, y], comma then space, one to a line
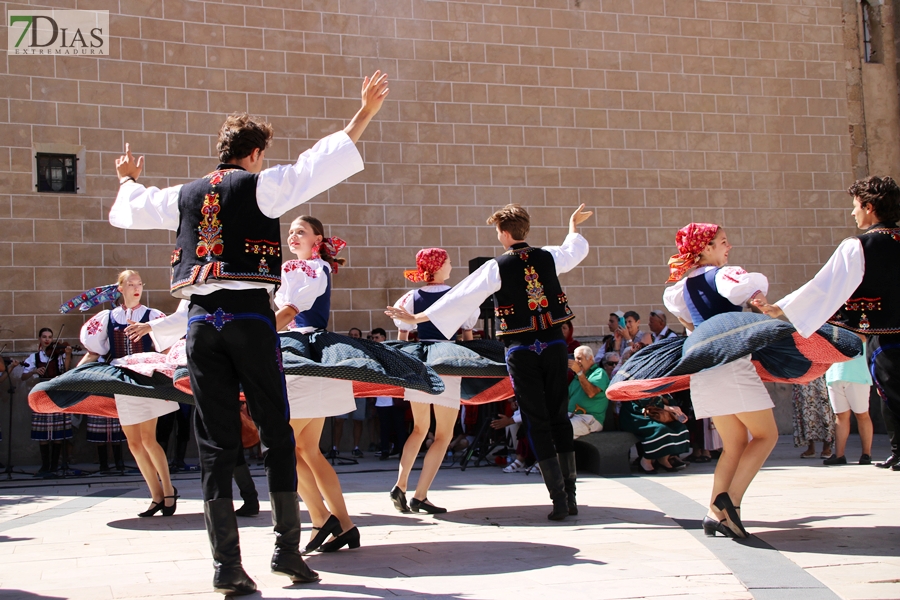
[734, 442]
[136, 445]
[306, 481]
[325, 480]
[157, 457]
[761, 425]
[421, 422]
[444, 418]
[841, 432]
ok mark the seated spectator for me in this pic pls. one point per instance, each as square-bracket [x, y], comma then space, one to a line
[634, 339]
[587, 393]
[612, 342]
[609, 362]
[661, 434]
[659, 330]
[355, 333]
[524, 455]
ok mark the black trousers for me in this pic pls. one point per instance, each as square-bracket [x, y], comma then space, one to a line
[166, 424]
[539, 380]
[885, 349]
[393, 420]
[223, 358]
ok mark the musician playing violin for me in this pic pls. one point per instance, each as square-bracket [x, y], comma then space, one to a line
[49, 430]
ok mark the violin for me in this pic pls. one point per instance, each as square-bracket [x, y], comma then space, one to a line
[57, 350]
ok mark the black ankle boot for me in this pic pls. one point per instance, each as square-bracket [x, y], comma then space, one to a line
[245, 484]
[287, 560]
[103, 455]
[221, 525]
[553, 479]
[45, 459]
[117, 456]
[567, 466]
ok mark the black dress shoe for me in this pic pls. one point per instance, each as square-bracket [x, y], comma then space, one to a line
[398, 497]
[892, 460]
[711, 527]
[723, 503]
[168, 511]
[331, 527]
[416, 505]
[349, 538]
[835, 460]
[865, 459]
[155, 507]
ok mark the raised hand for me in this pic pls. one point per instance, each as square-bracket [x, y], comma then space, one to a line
[374, 91]
[127, 166]
[401, 315]
[579, 216]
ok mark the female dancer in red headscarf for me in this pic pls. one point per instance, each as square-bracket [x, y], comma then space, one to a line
[732, 394]
[432, 267]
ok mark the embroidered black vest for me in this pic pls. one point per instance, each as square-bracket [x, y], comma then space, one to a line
[703, 298]
[530, 298]
[223, 234]
[874, 307]
[421, 301]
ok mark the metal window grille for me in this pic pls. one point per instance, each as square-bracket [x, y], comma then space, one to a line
[56, 173]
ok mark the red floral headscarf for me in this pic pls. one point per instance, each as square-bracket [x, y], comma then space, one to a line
[329, 248]
[691, 241]
[428, 261]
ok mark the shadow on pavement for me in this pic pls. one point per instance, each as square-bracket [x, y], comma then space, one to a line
[447, 559]
[848, 541]
[529, 516]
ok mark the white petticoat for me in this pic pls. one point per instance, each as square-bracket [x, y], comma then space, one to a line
[729, 389]
[449, 397]
[135, 409]
[315, 397]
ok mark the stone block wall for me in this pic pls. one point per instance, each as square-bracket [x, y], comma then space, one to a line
[652, 112]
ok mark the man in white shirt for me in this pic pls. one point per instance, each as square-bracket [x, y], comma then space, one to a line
[859, 289]
[227, 262]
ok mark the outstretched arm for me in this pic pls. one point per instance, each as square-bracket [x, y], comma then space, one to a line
[578, 217]
[374, 91]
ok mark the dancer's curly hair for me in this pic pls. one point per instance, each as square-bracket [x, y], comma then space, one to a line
[240, 135]
[882, 194]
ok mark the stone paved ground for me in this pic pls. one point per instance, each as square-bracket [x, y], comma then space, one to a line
[819, 533]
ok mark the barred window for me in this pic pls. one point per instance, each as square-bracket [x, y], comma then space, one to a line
[56, 173]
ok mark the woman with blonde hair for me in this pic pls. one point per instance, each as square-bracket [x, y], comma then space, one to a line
[105, 339]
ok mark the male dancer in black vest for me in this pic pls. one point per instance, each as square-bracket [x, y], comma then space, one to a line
[227, 262]
[530, 308]
[859, 289]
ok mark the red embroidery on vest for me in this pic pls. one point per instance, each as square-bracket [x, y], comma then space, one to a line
[534, 289]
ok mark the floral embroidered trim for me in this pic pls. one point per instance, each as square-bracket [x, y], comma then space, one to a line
[210, 229]
[522, 253]
[93, 326]
[538, 322]
[504, 311]
[262, 247]
[858, 304]
[263, 266]
[176, 257]
[536, 298]
[293, 265]
[893, 232]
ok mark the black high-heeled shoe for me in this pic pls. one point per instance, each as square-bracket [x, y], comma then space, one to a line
[417, 505]
[331, 527]
[168, 511]
[711, 526]
[155, 507]
[349, 538]
[398, 497]
[723, 502]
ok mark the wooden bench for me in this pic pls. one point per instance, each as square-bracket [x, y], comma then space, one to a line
[604, 452]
